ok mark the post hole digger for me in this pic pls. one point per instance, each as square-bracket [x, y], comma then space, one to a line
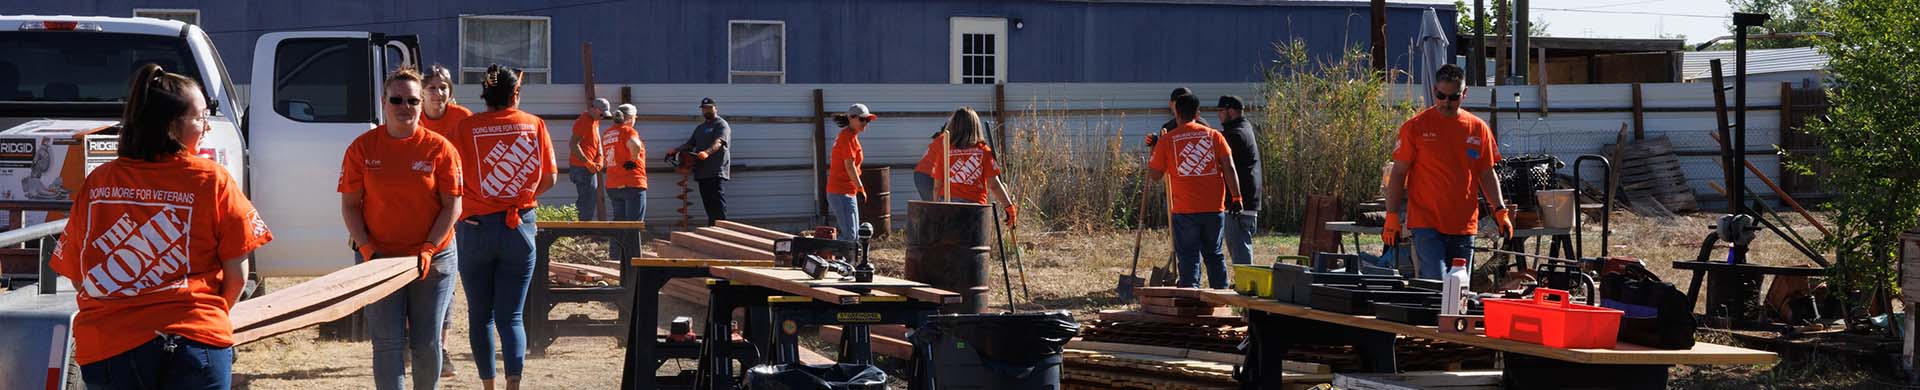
[682, 162]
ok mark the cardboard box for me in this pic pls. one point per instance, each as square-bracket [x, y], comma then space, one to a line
[39, 162]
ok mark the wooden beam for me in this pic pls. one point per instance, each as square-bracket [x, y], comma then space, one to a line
[716, 247]
[1217, 357]
[622, 225]
[697, 262]
[796, 282]
[1639, 114]
[323, 299]
[665, 249]
[734, 237]
[1172, 292]
[1139, 316]
[751, 230]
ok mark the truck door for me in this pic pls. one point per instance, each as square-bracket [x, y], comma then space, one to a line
[312, 94]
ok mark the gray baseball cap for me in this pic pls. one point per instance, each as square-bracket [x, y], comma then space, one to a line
[606, 107]
[625, 112]
[858, 110]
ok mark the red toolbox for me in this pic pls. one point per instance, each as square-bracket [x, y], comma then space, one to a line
[1556, 322]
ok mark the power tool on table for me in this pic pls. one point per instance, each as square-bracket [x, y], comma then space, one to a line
[822, 253]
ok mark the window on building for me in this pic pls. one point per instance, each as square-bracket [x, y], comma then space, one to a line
[523, 42]
[979, 50]
[189, 16]
[756, 52]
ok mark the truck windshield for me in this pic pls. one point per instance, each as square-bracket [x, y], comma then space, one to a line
[78, 66]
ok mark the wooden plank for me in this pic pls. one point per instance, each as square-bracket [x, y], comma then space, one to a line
[1457, 380]
[1624, 353]
[622, 225]
[1210, 356]
[720, 248]
[738, 238]
[776, 281]
[696, 262]
[296, 307]
[1175, 292]
[1187, 311]
[597, 271]
[1174, 302]
[925, 294]
[881, 345]
[751, 230]
[318, 291]
[665, 249]
[691, 290]
[1139, 316]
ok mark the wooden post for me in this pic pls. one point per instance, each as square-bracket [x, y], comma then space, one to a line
[1000, 117]
[1639, 115]
[626, 94]
[600, 179]
[1786, 108]
[1379, 30]
[820, 165]
[1543, 94]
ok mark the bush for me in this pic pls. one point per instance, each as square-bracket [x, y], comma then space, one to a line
[557, 213]
[1327, 127]
[1071, 177]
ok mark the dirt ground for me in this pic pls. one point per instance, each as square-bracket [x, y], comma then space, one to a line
[1074, 271]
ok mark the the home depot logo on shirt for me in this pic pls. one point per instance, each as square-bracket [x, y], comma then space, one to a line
[144, 247]
[1196, 154]
[964, 167]
[509, 160]
[423, 166]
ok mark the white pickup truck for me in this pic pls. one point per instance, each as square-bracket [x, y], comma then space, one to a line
[63, 80]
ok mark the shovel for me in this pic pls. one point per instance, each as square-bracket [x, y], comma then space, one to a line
[1164, 276]
[1132, 278]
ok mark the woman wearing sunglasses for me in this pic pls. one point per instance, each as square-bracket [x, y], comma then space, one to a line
[400, 194]
[843, 180]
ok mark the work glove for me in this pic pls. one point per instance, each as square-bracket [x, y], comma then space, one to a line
[1011, 212]
[1390, 231]
[1152, 139]
[1504, 220]
[700, 155]
[366, 252]
[424, 259]
[1234, 206]
[629, 165]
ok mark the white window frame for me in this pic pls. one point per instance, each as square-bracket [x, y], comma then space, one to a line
[196, 13]
[461, 30]
[959, 26]
[782, 74]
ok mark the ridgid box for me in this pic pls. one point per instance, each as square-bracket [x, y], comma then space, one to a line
[46, 160]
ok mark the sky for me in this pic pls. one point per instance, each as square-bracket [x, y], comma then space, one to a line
[1697, 20]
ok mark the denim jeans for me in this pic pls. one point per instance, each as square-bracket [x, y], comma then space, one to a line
[846, 215]
[409, 321]
[1239, 232]
[587, 186]
[627, 204]
[189, 365]
[714, 199]
[923, 183]
[1196, 237]
[1433, 250]
[496, 264]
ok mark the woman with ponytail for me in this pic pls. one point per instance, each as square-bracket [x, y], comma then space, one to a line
[156, 244]
[507, 158]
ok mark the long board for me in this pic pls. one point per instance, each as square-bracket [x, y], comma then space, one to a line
[323, 299]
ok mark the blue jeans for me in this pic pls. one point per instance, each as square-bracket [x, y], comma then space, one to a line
[587, 186]
[923, 183]
[1433, 250]
[410, 320]
[1239, 232]
[627, 204]
[189, 365]
[846, 215]
[496, 264]
[1197, 236]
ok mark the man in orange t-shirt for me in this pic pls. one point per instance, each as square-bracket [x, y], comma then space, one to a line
[626, 162]
[843, 178]
[1442, 165]
[1199, 165]
[583, 159]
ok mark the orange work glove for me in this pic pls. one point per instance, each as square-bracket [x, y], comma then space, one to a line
[1390, 231]
[366, 252]
[424, 258]
[1503, 219]
[1152, 139]
[1011, 212]
[700, 155]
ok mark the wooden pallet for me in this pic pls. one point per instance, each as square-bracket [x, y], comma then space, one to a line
[1650, 170]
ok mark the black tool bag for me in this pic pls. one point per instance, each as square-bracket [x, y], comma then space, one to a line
[1658, 315]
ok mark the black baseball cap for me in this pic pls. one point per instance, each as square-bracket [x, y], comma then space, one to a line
[1230, 101]
[706, 102]
[1179, 91]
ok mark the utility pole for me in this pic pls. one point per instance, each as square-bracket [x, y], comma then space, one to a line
[1379, 28]
[1520, 25]
[1477, 68]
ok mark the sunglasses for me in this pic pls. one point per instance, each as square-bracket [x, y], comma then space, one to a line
[396, 100]
[1443, 96]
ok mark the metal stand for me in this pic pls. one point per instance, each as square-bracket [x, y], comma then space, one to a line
[623, 244]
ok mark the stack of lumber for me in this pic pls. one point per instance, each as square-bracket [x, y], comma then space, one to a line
[723, 240]
[1094, 365]
[322, 299]
[1412, 353]
[1650, 175]
[575, 274]
[1177, 335]
[1178, 302]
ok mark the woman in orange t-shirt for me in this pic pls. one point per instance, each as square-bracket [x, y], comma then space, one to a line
[626, 162]
[843, 179]
[506, 158]
[157, 244]
[972, 172]
[417, 175]
[441, 115]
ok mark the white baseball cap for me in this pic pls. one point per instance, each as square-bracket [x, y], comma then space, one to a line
[858, 110]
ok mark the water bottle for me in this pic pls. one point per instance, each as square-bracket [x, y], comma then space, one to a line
[1454, 288]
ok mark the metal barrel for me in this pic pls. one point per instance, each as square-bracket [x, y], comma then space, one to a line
[877, 207]
[947, 247]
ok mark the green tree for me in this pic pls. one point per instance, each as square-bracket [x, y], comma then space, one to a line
[1788, 16]
[1874, 140]
[1496, 9]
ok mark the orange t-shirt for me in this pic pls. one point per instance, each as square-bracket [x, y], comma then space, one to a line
[1195, 151]
[401, 180]
[448, 121]
[587, 130]
[1445, 156]
[973, 170]
[503, 156]
[846, 146]
[144, 246]
[615, 143]
[930, 160]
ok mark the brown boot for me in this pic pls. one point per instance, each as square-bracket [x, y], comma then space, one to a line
[513, 383]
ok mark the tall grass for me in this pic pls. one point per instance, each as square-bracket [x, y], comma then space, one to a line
[1071, 173]
[1328, 126]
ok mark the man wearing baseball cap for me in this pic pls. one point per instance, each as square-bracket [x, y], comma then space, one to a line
[1246, 164]
[584, 159]
[843, 178]
[709, 147]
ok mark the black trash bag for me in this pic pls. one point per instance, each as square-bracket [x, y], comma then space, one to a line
[796, 376]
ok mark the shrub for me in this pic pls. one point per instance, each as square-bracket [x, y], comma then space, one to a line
[1327, 127]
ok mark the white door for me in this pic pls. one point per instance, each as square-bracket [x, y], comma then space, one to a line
[977, 50]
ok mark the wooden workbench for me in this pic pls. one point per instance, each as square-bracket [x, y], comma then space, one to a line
[831, 290]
